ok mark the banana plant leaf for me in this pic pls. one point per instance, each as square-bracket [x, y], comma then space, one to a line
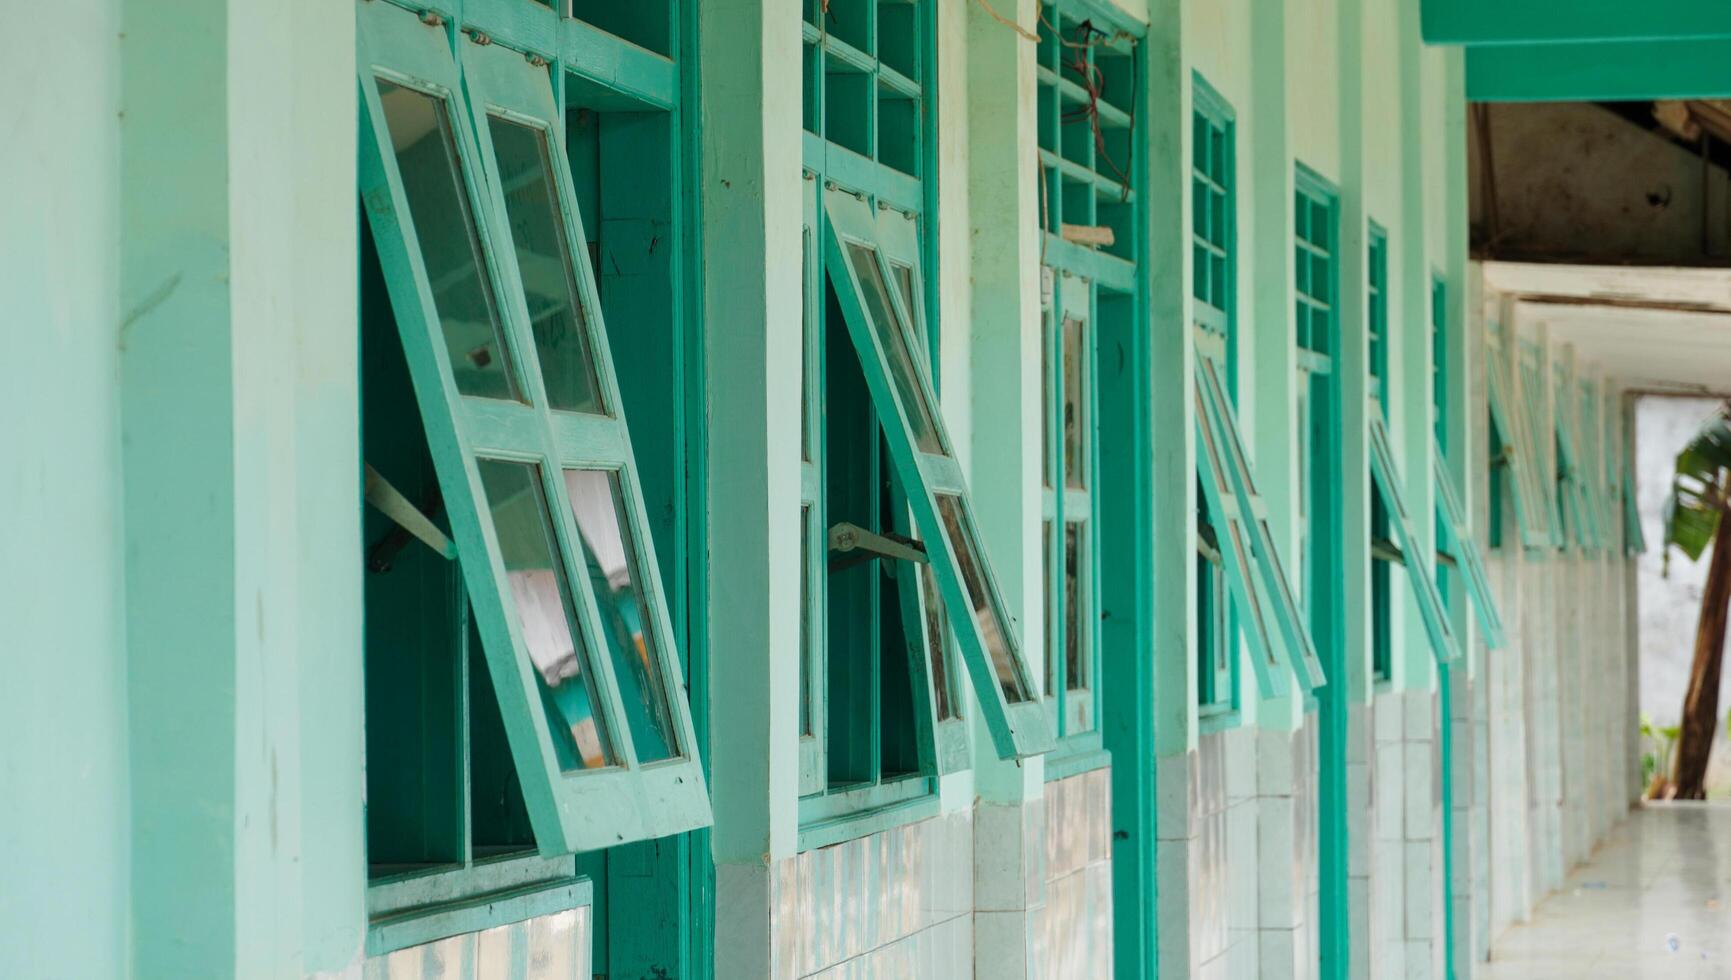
[1698, 493]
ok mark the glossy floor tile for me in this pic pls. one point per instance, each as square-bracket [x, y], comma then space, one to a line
[1653, 901]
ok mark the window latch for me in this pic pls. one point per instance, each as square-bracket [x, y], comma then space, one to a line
[409, 519]
[850, 545]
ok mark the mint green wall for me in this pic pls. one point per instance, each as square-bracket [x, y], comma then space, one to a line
[63, 775]
[183, 764]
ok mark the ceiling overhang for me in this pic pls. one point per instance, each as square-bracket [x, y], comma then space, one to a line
[1587, 50]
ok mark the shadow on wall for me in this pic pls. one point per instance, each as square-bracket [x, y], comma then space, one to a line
[1671, 605]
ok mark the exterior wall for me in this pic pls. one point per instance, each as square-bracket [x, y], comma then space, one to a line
[67, 822]
[1558, 702]
[1015, 875]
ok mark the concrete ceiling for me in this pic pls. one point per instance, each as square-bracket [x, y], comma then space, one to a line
[1659, 330]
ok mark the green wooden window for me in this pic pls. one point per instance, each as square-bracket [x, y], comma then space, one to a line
[1316, 223]
[1530, 375]
[1316, 216]
[1430, 602]
[481, 245]
[1376, 313]
[1522, 454]
[1634, 539]
[900, 598]
[1383, 552]
[1069, 556]
[1439, 358]
[1444, 564]
[1455, 540]
[1580, 516]
[1085, 86]
[1261, 587]
[1384, 555]
[1594, 491]
[1214, 290]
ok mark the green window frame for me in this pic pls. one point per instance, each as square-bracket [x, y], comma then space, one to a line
[881, 330]
[1594, 488]
[1444, 644]
[1214, 301]
[1634, 539]
[874, 733]
[1454, 538]
[1262, 588]
[1579, 517]
[1514, 452]
[529, 440]
[1383, 553]
[1069, 557]
[1084, 69]
[1446, 563]
[1376, 312]
[1316, 274]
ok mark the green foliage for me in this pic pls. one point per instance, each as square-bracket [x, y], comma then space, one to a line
[1698, 493]
[1657, 760]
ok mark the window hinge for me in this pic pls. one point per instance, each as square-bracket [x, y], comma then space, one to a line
[855, 545]
[409, 519]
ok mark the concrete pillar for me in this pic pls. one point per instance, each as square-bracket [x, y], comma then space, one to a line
[751, 65]
[240, 454]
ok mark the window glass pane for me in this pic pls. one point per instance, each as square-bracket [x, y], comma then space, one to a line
[1199, 265]
[1217, 156]
[543, 605]
[904, 276]
[1199, 142]
[937, 644]
[1051, 610]
[805, 341]
[993, 624]
[426, 152]
[805, 631]
[1046, 384]
[598, 505]
[893, 338]
[1075, 577]
[1075, 402]
[544, 261]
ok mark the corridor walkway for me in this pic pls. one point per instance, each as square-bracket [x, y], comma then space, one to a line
[1654, 901]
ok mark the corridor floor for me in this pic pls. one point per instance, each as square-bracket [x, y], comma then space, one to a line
[1654, 901]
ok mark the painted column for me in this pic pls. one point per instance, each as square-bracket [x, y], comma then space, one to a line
[751, 88]
[1001, 328]
[62, 595]
[238, 382]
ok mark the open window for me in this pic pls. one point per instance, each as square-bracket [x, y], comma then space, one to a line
[1580, 516]
[1430, 604]
[469, 197]
[1259, 581]
[883, 335]
[1456, 540]
[1518, 459]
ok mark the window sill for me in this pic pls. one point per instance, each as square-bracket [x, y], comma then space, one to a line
[1215, 718]
[411, 909]
[841, 816]
[1077, 754]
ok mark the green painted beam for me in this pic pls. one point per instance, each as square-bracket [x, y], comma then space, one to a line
[1497, 22]
[1694, 69]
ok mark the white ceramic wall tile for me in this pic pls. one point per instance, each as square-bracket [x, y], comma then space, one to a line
[548, 947]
